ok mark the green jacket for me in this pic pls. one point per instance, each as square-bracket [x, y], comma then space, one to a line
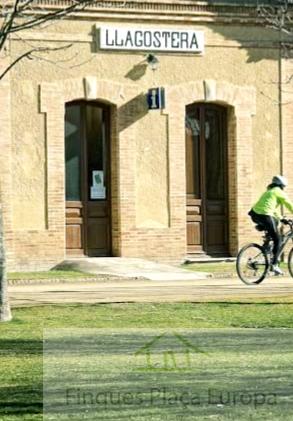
[269, 203]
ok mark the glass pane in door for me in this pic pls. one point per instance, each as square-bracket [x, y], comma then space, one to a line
[215, 154]
[192, 130]
[73, 152]
[95, 134]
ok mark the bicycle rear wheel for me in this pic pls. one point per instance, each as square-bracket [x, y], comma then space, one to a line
[252, 264]
[290, 262]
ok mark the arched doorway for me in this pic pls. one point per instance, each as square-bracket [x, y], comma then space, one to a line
[87, 173]
[206, 179]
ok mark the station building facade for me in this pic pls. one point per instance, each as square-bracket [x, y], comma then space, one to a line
[150, 136]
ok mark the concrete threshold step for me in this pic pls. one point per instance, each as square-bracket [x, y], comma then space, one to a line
[209, 259]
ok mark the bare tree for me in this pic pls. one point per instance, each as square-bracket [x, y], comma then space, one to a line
[277, 14]
[15, 17]
[19, 15]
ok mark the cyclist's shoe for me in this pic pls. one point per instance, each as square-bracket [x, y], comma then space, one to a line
[277, 271]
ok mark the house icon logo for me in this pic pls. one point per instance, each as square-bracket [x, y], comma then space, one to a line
[167, 352]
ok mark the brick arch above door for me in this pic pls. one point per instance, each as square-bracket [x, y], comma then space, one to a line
[241, 104]
[86, 88]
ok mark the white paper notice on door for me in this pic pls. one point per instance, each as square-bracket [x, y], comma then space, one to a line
[98, 190]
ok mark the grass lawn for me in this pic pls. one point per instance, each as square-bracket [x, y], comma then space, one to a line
[51, 274]
[220, 268]
[21, 347]
[217, 267]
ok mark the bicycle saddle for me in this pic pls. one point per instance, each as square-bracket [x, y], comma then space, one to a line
[260, 227]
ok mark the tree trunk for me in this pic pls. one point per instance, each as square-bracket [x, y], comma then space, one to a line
[5, 313]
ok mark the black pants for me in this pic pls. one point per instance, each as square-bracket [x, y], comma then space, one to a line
[271, 226]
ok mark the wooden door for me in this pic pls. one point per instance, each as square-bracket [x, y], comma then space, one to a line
[193, 182]
[87, 163]
[206, 179]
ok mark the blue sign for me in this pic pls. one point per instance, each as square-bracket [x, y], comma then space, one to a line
[156, 98]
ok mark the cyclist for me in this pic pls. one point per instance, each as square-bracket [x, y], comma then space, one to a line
[266, 212]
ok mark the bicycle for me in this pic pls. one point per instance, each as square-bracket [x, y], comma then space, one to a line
[254, 261]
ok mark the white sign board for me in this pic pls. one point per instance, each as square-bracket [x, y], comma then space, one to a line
[122, 38]
[98, 191]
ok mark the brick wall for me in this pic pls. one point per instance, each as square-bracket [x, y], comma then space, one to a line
[287, 113]
[44, 249]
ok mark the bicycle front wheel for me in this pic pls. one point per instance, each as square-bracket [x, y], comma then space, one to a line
[290, 262]
[252, 264]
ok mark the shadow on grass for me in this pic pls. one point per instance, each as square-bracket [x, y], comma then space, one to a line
[21, 399]
[21, 346]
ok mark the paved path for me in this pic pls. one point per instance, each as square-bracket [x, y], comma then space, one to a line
[275, 289]
[132, 267]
